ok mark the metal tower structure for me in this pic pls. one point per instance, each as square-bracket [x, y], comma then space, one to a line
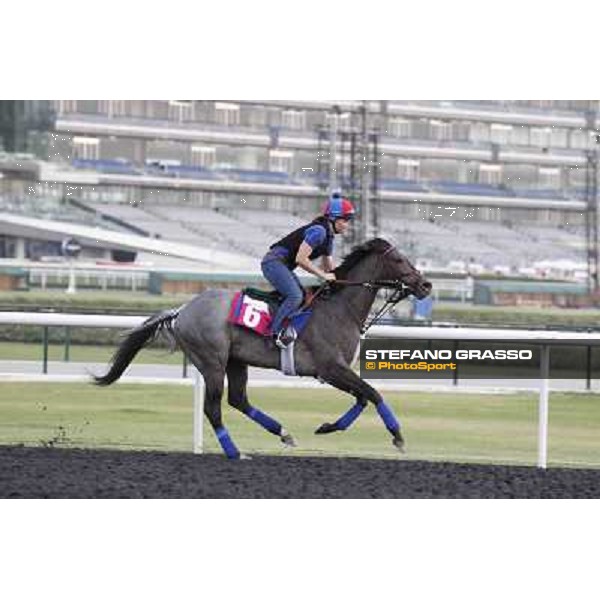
[591, 200]
[348, 162]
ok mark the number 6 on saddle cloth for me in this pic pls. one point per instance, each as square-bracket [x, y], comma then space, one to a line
[254, 309]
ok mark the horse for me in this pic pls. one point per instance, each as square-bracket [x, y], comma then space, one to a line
[324, 350]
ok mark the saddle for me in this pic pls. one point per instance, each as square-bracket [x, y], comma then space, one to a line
[254, 309]
[273, 298]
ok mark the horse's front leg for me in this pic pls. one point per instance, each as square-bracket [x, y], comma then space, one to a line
[344, 378]
[346, 419]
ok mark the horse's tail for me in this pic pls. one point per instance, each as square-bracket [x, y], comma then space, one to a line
[136, 339]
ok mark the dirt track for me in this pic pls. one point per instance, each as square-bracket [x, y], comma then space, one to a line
[62, 473]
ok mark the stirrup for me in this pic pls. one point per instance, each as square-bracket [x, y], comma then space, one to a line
[285, 337]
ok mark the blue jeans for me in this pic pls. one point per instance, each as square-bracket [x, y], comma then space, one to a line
[287, 284]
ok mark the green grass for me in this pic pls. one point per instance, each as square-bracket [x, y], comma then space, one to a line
[82, 353]
[470, 427]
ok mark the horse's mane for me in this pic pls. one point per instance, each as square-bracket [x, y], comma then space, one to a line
[376, 245]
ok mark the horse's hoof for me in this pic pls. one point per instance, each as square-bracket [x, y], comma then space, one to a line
[288, 440]
[326, 428]
[399, 443]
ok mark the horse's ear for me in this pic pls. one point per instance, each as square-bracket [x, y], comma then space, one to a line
[383, 246]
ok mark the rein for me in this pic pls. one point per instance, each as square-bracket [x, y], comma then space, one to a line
[401, 292]
[399, 295]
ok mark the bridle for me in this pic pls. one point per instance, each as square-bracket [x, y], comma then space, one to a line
[401, 291]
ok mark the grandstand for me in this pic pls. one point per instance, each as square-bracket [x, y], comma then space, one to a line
[235, 176]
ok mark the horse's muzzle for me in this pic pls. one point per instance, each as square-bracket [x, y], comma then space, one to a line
[422, 289]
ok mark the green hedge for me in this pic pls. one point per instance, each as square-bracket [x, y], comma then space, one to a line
[93, 303]
[90, 302]
[522, 317]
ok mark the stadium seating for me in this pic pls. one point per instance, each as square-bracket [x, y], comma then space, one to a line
[402, 185]
[186, 171]
[478, 189]
[491, 244]
[105, 166]
[548, 194]
[255, 176]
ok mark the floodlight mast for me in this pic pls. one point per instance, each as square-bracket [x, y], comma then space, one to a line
[591, 201]
[350, 137]
[365, 173]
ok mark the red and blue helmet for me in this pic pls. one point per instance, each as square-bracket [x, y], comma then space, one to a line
[338, 208]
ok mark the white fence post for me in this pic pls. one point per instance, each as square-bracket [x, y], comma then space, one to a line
[198, 412]
[543, 408]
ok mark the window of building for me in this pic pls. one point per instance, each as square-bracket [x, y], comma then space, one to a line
[227, 113]
[541, 136]
[256, 116]
[578, 139]
[339, 121]
[204, 156]
[549, 177]
[408, 168]
[181, 110]
[293, 119]
[461, 130]
[439, 169]
[400, 127]
[281, 160]
[113, 108]
[86, 148]
[480, 132]
[500, 133]
[490, 174]
[65, 106]
[135, 108]
[576, 177]
[520, 135]
[421, 129]
[440, 130]
[558, 137]
[520, 175]
[157, 109]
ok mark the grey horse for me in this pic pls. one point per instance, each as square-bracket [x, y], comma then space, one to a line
[325, 348]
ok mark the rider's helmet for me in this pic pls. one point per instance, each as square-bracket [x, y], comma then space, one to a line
[338, 207]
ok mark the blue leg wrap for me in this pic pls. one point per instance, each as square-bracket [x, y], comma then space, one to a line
[385, 412]
[227, 443]
[349, 417]
[264, 420]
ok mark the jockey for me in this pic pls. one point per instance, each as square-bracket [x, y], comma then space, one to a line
[299, 247]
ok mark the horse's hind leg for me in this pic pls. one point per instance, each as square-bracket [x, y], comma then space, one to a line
[237, 396]
[214, 383]
[214, 379]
